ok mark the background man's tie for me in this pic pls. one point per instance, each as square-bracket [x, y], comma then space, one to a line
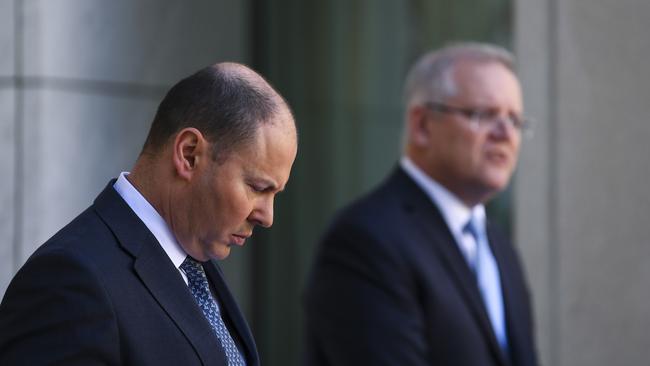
[487, 273]
[200, 288]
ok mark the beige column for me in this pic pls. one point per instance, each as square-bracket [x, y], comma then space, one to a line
[89, 76]
[582, 200]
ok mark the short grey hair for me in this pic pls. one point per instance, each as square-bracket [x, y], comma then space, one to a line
[431, 77]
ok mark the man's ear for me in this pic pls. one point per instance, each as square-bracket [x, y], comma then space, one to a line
[189, 150]
[418, 126]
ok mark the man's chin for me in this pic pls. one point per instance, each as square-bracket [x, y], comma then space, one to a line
[218, 251]
[497, 179]
[222, 254]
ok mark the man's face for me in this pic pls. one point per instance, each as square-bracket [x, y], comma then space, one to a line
[228, 199]
[476, 162]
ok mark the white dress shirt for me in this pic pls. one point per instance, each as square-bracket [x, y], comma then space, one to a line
[455, 213]
[152, 220]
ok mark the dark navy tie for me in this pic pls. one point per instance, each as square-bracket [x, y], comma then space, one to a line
[200, 288]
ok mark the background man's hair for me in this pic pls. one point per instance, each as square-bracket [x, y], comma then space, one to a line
[431, 79]
[223, 103]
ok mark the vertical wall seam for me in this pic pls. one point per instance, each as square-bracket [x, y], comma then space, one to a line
[260, 36]
[18, 132]
[553, 166]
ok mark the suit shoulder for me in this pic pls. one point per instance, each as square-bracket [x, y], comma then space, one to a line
[85, 236]
[77, 247]
[85, 246]
[57, 296]
[375, 211]
[371, 223]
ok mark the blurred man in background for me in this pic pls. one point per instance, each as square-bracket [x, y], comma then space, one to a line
[130, 281]
[414, 273]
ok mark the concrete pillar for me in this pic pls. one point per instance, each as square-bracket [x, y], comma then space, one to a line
[582, 198]
[7, 143]
[89, 76]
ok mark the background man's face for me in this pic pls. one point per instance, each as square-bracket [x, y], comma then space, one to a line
[477, 162]
[229, 199]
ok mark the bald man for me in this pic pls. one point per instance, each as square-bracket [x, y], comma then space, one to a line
[131, 280]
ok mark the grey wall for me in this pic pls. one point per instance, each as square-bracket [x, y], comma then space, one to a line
[7, 133]
[79, 84]
[341, 66]
[80, 79]
[582, 197]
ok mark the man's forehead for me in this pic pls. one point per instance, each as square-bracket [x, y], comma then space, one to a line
[478, 68]
[486, 80]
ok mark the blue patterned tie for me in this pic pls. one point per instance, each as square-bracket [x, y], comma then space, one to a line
[487, 273]
[200, 288]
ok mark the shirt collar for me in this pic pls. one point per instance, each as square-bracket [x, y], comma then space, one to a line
[455, 213]
[151, 218]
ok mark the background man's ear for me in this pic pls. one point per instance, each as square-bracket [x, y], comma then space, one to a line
[418, 128]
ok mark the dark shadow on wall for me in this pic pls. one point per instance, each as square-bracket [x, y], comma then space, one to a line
[341, 65]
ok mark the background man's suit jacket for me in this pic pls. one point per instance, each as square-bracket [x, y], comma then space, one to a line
[390, 286]
[102, 291]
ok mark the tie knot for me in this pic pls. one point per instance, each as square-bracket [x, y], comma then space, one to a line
[192, 268]
[472, 227]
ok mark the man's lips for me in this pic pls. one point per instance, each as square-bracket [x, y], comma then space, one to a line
[497, 156]
[240, 239]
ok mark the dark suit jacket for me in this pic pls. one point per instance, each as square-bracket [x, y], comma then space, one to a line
[390, 286]
[102, 291]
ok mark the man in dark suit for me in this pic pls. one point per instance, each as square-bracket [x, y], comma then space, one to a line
[413, 273]
[130, 281]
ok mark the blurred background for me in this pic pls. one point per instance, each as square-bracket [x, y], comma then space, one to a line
[80, 81]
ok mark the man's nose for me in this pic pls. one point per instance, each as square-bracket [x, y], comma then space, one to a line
[502, 127]
[262, 215]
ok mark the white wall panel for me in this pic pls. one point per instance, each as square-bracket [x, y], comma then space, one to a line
[7, 38]
[7, 187]
[146, 41]
[582, 192]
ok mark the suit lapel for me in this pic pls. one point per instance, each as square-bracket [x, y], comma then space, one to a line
[230, 310]
[166, 285]
[427, 217]
[158, 274]
[508, 271]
